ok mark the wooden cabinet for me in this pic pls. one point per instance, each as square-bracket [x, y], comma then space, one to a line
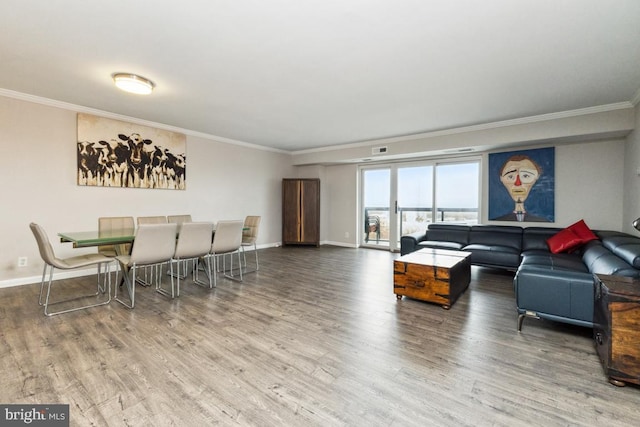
[616, 332]
[301, 212]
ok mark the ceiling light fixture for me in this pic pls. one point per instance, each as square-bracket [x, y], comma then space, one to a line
[133, 83]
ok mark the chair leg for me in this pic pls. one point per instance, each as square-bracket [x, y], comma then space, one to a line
[206, 260]
[255, 250]
[244, 256]
[130, 283]
[158, 279]
[231, 275]
[107, 283]
[215, 270]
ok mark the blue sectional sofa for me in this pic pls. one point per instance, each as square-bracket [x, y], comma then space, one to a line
[553, 286]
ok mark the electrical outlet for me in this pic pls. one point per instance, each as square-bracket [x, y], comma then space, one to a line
[22, 261]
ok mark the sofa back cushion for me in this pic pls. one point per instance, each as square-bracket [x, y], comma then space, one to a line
[623, 245]
[600, 260]
[535, 238]
[448, 233]
[496, 235]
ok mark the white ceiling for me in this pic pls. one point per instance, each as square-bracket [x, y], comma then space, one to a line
[299, 74]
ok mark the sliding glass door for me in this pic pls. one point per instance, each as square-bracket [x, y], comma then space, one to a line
[415, 198]
[399, 199]
[376, 190]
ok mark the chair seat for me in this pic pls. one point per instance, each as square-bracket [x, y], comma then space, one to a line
[82, 261]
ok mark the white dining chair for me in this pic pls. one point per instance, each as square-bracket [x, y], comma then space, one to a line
[179, 219]
[107, 225]
[52, 262]
[227, 239]
[194, 243]
[154, 246]
[157, 219]
[249, 238]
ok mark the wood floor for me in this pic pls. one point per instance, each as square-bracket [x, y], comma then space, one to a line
[315, 338]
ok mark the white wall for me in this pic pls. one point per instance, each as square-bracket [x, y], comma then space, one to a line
[632, 178]
[589, 185]
[596, 181]
[342, 212]
[38, 173]
[589, 182]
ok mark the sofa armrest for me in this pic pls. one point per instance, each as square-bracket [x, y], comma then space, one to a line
[409, 242]
[561, 293]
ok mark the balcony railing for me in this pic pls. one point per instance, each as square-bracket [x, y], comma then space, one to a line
[416, 219]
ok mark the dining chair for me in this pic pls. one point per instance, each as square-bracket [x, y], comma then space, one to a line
[109, 224]
[179, 219]
[194, 243]
[158, 219]
[51, 262]
[154, 246]
[249, 237]
[227, 239]
[151, 220]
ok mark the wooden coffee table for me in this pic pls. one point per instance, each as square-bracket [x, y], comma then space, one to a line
[434, 275]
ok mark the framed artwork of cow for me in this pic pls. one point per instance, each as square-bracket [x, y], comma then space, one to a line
[113, 153]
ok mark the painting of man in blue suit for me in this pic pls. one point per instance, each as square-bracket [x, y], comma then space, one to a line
[521, 186]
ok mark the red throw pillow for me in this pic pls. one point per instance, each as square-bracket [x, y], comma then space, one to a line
[581, 230]
[563, 241]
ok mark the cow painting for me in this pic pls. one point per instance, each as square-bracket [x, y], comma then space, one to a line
[137, 158]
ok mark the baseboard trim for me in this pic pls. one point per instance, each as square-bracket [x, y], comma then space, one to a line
[342, 244]
[69, 274]
[57, 275]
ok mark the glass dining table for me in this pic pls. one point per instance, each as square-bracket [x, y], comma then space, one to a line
[85, 239]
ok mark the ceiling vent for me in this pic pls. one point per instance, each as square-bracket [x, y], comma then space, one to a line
[379, 150]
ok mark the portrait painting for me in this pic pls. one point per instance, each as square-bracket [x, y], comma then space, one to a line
[522, 185]
[113, 153]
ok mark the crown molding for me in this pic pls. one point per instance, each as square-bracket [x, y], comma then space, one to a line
[479, 127]
[82, 109]
[473, 128]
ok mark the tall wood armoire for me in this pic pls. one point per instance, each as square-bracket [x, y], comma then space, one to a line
[301, 211]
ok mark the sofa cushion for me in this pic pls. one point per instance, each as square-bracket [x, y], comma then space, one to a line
[493, 255]
[448, 233]
[581, 230]
[497, 235]
[565, 262]
[600, 260]
[625, 246]
[571, 238]
[564, 241]
[535, 238]
[440, 245]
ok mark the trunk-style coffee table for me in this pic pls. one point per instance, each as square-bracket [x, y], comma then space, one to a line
[433, 275]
